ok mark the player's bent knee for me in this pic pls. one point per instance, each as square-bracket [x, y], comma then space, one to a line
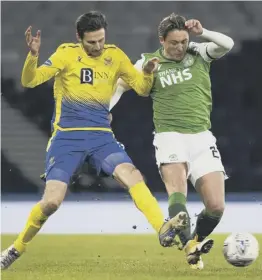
[174, 177]
[216, 209]
[53, 196]
[128, 174]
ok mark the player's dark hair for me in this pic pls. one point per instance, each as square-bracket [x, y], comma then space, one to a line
[91, 21]
[170, 23]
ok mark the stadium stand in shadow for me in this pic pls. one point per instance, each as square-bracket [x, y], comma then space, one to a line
[236, 115]
[236, 81]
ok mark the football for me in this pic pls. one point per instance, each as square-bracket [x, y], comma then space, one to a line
[241, 249]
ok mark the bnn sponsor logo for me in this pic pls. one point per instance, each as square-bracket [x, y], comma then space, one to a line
[88, 75]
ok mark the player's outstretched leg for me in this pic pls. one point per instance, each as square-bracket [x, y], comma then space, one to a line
[54, 194]
[174, 176]
[148, 205]
[176, 204]
[211, 189]
[206, 223]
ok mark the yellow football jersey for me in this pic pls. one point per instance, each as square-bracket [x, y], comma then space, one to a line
[83, 84]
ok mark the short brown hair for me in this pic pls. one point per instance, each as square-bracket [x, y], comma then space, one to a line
[91, 21]
[170, 23]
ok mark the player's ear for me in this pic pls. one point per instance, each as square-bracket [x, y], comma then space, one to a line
[161, 40]
[78, 37]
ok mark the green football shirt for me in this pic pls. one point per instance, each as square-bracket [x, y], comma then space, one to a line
[181, 93]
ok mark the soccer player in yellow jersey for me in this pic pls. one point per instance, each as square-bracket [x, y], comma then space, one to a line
[85, 79]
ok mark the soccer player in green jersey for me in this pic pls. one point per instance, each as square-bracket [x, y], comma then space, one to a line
[184, 145]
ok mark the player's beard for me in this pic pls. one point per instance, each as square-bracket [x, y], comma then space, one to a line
[96, 53]
[91, 52]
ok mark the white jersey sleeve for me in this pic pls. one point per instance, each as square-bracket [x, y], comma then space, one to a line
[120, 89]
[139, 64]
[217, 46]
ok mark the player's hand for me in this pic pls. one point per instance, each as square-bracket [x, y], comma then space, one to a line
[194, 26]
[33, 42]
[151, 65]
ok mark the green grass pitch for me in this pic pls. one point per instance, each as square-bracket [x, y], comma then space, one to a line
[115, 257]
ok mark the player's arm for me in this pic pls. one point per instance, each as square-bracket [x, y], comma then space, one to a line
[141, 82]
[122, 86]
[219, 44]
[33, 75]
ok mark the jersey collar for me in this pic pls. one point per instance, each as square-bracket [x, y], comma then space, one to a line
[88, 56]
[184, 61]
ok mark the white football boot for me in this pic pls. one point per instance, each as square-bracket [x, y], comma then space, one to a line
[8, 256]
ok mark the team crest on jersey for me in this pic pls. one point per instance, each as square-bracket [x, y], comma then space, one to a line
[188, 60]
[173, 157]
[108, 60]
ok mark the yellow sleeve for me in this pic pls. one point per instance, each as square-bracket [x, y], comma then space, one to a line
[139, 81]
[33, 76]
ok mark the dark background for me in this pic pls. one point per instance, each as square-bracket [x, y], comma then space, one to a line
[236, 84]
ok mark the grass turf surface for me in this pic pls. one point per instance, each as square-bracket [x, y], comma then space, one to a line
[115, 257]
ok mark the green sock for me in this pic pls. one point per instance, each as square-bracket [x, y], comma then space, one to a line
[177, 203]
[205, 224]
